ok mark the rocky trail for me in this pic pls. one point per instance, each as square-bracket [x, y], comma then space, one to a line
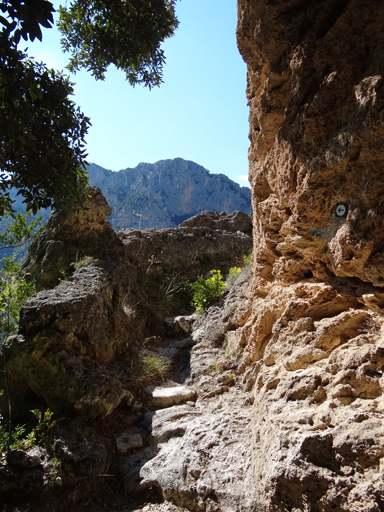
[188, 444]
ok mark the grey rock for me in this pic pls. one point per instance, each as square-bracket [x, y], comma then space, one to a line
[22, 459]
[171, 422]
[22, 482]
[203, 460]
[160, 397]
[79, 448]
[69, 235]
[206, 248]
[127, 442]
[185, 322]
[235, 222]
[67, 372]
[166, 193]
[217, 391]
[203, 454]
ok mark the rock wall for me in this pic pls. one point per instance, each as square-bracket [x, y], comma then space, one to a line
[314, 335]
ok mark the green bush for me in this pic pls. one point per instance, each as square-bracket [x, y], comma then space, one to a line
[206, 291]
[22, 437]
[14, 290]
[247, 259]
[234, 273]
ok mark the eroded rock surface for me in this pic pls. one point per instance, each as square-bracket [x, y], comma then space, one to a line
[313, 341]
[202, 457]
[317, 136]
[236, 221]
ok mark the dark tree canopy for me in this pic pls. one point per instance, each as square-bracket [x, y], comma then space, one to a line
[41, 131]
[126, 33]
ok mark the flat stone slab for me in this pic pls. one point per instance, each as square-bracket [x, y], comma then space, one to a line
[160, 398]
[127, 442]
[170, 422]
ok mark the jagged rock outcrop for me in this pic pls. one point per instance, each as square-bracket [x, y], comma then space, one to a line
[70, 236]
[164, 194]
[313, 342]
[237, 221]
[76, 341]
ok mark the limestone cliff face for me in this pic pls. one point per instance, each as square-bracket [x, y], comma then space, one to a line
[316, 95]
[164, 194]
[314, 335]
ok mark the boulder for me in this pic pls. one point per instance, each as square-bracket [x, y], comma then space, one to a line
[234, 222]
[67, 336]
[22, 459]
[128, 442]
[69, 236]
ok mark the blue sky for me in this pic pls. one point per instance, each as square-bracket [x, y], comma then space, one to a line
[199, 113]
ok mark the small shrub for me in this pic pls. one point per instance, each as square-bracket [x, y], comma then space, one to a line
[158, 295]
[206, 291]
[149, 369]
[247, 260]
[234, 273]
[14, 290]
[63, 275]
[20, 438]
[215, 368]
[87, 261]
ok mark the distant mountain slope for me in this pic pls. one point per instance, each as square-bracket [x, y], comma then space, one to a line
[19, 207]
[166, 193]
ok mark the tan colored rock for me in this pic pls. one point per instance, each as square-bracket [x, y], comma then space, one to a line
[316, 131]
[313, 340]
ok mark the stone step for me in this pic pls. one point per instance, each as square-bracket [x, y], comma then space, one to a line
[163, 397]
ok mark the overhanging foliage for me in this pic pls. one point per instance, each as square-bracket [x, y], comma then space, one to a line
[126, 33]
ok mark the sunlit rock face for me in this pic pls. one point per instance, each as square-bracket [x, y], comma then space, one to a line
[314, 335]
[315, 91]
[166, 193]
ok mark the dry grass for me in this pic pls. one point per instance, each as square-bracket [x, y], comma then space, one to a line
[150, 370]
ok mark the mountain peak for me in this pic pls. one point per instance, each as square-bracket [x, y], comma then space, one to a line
[166, 193]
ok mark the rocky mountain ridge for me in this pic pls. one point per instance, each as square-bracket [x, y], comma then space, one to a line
[166, 193]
